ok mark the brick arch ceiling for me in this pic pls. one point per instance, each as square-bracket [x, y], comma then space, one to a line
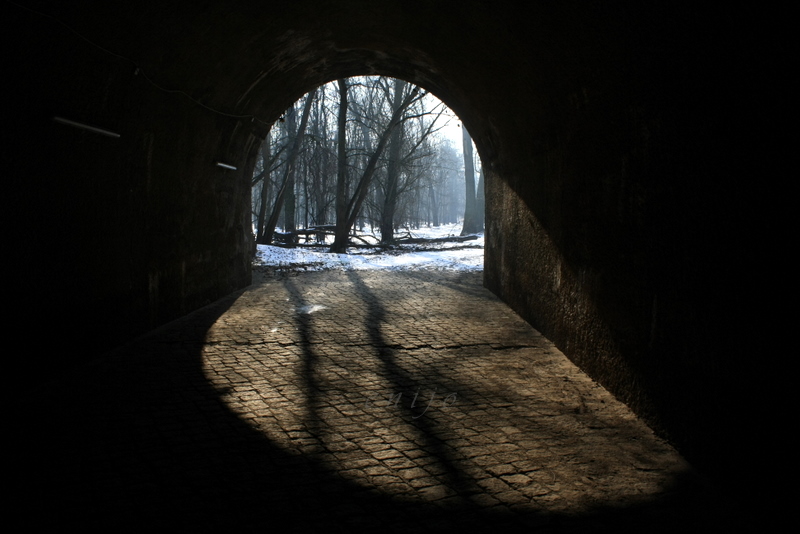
[255, 58]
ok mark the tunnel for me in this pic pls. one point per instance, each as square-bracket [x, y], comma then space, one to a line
[629, 150]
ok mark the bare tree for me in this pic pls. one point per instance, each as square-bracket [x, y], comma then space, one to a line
[471, 219]
[288, 179]
[480, 200]
[362, 188]
[340, 238]
[393, 168]
[384, 168]
[264, 198]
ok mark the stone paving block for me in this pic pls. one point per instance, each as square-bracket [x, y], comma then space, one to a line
[383, 401]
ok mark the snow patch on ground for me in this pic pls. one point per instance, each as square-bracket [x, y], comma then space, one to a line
[466, 256]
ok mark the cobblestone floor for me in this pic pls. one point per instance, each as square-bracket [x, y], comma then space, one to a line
[352, 402]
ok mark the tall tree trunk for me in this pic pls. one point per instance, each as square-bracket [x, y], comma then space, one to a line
[481, 201]
[434, 208]
[340, 234]
[393, 169]
[269, 230]
[470, 210]
[360, 193]
[262, 209]
[289, 201]
[321, 171]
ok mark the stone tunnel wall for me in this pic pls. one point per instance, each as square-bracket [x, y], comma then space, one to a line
[119, 235]
[605, 130]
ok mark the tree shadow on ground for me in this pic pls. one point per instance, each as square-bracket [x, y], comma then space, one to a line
[143, 442]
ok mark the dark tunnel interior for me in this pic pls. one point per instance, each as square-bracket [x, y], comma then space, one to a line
[632, 152]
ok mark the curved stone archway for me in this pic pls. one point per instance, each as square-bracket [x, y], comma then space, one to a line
[592, 121]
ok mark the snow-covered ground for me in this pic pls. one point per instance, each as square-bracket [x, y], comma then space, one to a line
[466, 256]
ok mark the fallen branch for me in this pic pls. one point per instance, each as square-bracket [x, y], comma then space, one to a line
[285, 239]
[421, 240]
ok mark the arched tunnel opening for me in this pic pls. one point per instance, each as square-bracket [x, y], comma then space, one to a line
[605, 132]
[373, 158]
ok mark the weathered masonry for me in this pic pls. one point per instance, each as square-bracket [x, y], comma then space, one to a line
[631, 151]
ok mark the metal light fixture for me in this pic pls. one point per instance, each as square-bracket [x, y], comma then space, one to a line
[94, 129]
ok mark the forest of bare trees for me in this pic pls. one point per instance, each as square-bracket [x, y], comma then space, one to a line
[363, 154]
